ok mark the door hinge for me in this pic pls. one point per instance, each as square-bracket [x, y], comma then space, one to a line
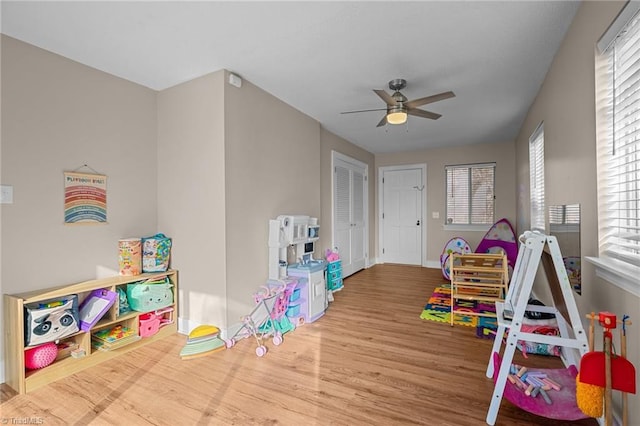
[383, 215]
[383, 180]
[382, 251]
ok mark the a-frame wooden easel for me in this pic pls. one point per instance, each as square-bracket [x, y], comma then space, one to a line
[535, 247]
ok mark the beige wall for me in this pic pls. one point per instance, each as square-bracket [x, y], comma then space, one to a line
[329, 143]
[566, 104]
[272, 167]
[191, 188]
[56, 116]
[503, 154]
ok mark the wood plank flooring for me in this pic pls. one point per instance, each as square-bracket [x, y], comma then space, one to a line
[370, 360]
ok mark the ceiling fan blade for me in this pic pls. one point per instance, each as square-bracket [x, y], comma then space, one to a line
[383, 121]
[363, 110]
[429, 99]
[385, 97]
[423, 114]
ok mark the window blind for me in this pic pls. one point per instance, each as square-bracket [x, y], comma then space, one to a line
[470, 194]
[536, 178]
[620, 150]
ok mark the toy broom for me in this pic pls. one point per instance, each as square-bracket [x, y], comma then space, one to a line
[605, 370]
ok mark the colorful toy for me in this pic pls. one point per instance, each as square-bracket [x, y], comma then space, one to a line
[500, 237]
[332, 255]
[156, 252]
[454, 245]
[203, 340]
[605, 370]
[40, 356]
[267, 318]
[94, 306]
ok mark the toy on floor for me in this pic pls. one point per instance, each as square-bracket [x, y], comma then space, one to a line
[283, 290]
[454, 245]
[499, 238]
[203, 340]
[605, 370]
[260, 322]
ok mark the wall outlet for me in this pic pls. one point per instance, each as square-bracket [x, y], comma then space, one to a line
[435, 215]
[6, 194]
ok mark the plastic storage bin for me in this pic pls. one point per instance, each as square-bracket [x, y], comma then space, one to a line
[146, 297]
[293, 310]
[334, 276]
[149, 324]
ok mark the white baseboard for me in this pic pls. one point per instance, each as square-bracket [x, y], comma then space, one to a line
[432, 264]
[185, 325]
[428, 264]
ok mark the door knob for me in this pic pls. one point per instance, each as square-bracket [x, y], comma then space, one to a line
[418, 222]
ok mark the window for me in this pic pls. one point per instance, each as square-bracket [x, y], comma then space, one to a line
[536, 178]
[470, 194]
[618, 122]
[564, 215]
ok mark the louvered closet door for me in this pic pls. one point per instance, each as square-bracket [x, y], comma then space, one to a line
[357, 220]
[342, 215]
[350, 215]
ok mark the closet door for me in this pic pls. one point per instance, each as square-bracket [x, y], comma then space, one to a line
[349, 214]
[358, 185]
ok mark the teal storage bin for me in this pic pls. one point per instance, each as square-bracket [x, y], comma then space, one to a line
[295, 295]
[293, 311]
[147, 297]
[335, 284]
[334, 266]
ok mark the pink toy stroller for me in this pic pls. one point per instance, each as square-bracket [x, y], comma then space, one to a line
[261, 323]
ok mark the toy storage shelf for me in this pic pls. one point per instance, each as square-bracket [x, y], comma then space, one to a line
[478, 276]
[23, 380]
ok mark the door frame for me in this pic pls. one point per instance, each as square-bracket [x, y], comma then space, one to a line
[423, 237]
[335, 155]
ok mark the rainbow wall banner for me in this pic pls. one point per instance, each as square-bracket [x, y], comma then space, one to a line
[85, 198]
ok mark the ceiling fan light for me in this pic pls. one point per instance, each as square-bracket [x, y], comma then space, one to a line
[397, 117]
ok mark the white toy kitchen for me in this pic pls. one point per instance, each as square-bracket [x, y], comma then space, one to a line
[298, 233]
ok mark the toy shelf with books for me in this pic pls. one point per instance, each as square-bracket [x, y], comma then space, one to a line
[99, 330]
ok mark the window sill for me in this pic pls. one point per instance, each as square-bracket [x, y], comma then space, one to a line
[483, 228]
[618, 273]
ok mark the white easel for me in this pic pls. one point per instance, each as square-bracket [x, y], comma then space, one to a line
[535, 247]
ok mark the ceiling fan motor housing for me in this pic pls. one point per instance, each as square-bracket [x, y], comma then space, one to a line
[397, 84]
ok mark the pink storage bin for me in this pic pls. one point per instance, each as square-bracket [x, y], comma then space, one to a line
[149, 324]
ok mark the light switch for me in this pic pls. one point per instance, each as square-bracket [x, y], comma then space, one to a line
[435, 215]
[6, 194]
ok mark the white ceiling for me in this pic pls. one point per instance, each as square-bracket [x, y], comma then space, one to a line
[326, 57]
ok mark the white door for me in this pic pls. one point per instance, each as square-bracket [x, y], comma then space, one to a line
[350, 212]
[402, 201]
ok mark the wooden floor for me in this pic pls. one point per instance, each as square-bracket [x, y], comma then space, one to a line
[370, 360]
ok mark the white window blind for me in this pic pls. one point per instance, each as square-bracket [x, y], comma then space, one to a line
[619, 150]
[564, 215]
[470, 194]
[536, 178]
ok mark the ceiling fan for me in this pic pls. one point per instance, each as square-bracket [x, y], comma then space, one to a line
[398, 106]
